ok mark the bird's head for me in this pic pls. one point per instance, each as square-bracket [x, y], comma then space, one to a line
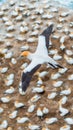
[25, 53]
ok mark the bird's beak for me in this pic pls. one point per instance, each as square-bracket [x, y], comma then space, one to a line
[20, 57]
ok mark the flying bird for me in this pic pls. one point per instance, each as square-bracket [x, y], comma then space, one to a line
[39, 57]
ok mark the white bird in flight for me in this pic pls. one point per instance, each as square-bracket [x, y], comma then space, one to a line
[39, 57]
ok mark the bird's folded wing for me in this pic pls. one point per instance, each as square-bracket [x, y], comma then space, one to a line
[28, 73]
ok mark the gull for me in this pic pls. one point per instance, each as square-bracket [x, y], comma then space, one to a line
[39, 57]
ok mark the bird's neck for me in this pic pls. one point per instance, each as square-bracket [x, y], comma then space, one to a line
[29, 56]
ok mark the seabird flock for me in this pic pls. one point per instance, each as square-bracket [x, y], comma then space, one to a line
[39, 57]
[46, 102]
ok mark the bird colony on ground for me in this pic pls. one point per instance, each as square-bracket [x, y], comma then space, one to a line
[48, 102]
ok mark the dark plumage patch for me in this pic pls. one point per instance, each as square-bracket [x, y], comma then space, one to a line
[59, 66]
[55, 65]
[47, 32]
[26, 77]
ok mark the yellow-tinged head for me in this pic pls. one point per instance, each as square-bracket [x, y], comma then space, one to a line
[29, 124]
[25, 53]
[39, 109]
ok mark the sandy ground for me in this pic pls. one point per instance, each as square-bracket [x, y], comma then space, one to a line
[52, 105]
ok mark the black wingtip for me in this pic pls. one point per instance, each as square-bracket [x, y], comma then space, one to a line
[26, 77]
[59, 66]
[56, 66]
[48, 31]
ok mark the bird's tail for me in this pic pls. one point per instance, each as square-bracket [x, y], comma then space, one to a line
[48, 31]
[55, 66]
[52, 63]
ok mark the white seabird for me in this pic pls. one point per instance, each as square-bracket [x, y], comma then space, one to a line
[39, 57]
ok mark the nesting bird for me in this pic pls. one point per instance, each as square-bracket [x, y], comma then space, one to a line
[65, 127]
[33, 127]
[66, 92]
[38, 89]
[35, 98]
[31, 108]
[63, 111]
[13, 114]
[39, 57]
[22, 120]
[69, 121]
[10, 90]
[51, 120]
[39, 112]
[52, 95]
[4, 124]
[18, 104]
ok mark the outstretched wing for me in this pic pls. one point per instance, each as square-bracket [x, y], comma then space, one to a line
[28, 73]
[43, 41]
[46, 33]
